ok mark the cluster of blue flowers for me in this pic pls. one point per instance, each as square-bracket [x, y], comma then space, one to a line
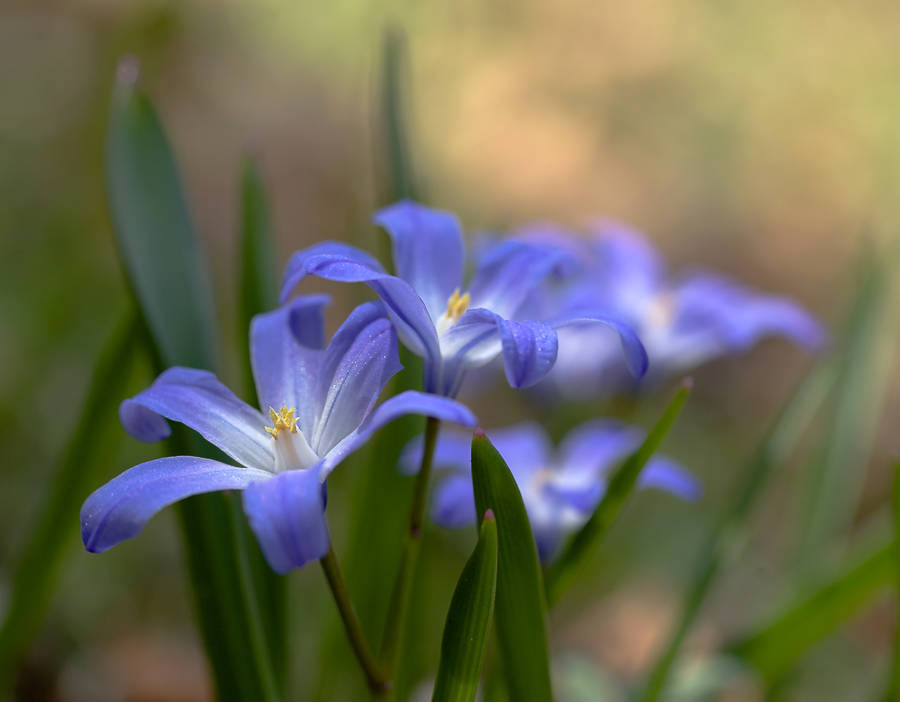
[553, 304]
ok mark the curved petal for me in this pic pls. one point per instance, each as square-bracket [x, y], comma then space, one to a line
[453, 503]
[405, 308]
[120, 509]
[628, 268]
[197, 398]
[472, 342]
[594, 447]
[143, 424]
[452, 452]
[664, 473]
[428, 250]
[304, 262]
[409, 402]
[510, 271]
[529, 350]
[635, 353]
[287, 514]
[360, 360]
[286, 355]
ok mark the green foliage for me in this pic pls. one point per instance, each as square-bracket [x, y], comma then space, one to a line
[85, 463]
[583, 545]
[520, 605]
[167, 273]
[469, 621]
[775, 649]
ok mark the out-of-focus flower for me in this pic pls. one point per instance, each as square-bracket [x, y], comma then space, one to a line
[326, 396]
[682, 322]
[561, 488]
[452, 330]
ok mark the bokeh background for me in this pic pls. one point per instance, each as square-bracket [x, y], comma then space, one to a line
[760, 138]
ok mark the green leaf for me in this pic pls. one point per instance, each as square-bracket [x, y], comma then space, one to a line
[520, 606]
[469, 621]
[774, 650]
[167, 272]
[394, 135]
[726, 535]
[892, 694]
[584, 544]
[85, 463]
[258, 293]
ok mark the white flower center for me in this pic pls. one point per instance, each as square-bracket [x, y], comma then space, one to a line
[291, 449]
[456, 306]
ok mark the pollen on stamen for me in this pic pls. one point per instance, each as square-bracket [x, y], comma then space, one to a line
[282, 420]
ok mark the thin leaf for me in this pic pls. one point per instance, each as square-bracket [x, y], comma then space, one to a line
[726, 535]
[167, 272]
[774, 650]
[892, 694]
[469, 621]
[583, 545]
[86, 461]
[394, 135]
[257, 293]
[520, 606]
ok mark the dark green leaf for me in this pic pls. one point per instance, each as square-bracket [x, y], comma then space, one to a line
[167, 272]
[85, 462]
[257, 293]
[774, 650]
[584, 544]
[892, 694]
[469, 621]
[520, 606]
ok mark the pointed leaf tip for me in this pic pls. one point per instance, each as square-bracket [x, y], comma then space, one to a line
[128, 70]
[479, 433]
[687, 383]
[489, 515]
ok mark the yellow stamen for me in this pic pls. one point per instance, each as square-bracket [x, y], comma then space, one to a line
[458, 304]
[282, 420]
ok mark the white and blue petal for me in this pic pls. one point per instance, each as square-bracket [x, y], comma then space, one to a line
[635, 353]
[361, 359]
[334, 255]
[286, 351]
[429, 253]
[287, 515]
[666, 474]
[120, 509]
[143, 424]
[197, 399]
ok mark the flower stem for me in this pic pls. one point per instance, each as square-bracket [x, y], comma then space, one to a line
[378, 681]
[392, 644]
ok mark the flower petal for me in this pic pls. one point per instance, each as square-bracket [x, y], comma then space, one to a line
[453, 503]
[510, 271]
[667, 474]
[358, 363]
[143, 424]
[120, 509]
[287, 514]
[286, 350]
[529, 350]
[409, 402]
[452, 452]
[526, 448]
[593, 448]
[197, 398]
[428, 250]
[472, 342]
[635, 353]
[405, 308]
[332, 253]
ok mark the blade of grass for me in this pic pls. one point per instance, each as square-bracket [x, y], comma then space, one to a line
[520, 607]
[583, 545]
[775, 649]
[166, 269]
[892, 694]
[469, 621]
[776, 447]
[257, 293]
[85, 462]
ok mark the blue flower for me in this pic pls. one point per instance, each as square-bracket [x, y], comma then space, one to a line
[682, 323]
[325, 398]
[561, 489]
[454, 331]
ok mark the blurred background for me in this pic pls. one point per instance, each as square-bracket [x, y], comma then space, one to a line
[758, 138]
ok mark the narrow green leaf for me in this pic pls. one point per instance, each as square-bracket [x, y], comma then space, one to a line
[167, 272]
[583, 545]
[892, 694]
[868, 350]
[774, 650]
[725, 536]
[520, 606]
[86, 461]
[257, 293]
[394, 135]
[469, 621]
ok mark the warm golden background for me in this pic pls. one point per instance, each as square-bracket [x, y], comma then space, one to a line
[758, 137]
